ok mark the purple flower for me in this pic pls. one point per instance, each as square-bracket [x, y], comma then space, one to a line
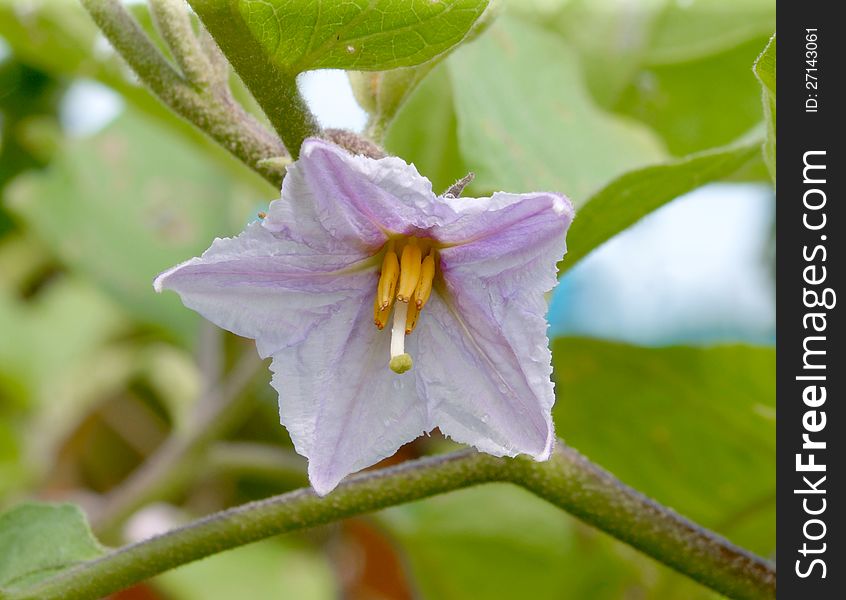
[389, 311]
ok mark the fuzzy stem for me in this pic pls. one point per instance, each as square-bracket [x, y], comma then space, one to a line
[274, 89]
[567, 480]
[174, 24]
[216, 114]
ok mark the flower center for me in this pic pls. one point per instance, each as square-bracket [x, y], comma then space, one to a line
[405, 284]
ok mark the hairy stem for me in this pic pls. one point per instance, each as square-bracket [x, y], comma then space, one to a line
[213, 112]
[174, 24]
[275, 90]
[567, 480]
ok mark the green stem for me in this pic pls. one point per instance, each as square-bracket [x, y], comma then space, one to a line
[274, 89]
[174, 25]
[216, 114]
[567, 480]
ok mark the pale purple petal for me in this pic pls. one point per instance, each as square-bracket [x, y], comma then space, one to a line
[484, 362]
[513, 215]
[343, 406]
[475, 387]
[271, 290]
[355, 198]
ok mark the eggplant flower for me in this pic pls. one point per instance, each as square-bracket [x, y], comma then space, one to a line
[390, 311]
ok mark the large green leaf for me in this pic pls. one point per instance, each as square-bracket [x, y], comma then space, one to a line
[696, 105]
[497, 542]
[500, 542]
[692, 427]
[611, 37]
[127, 204]
[526, 121]
[692, 29]
[765, 71]
[299, 35]
[680, 67]
[632, 196]
[616, 38]
[39, 540]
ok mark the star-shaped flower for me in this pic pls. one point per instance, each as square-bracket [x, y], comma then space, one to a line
[390, 311]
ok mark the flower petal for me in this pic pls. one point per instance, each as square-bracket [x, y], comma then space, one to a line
[484, 359]
[507, 214]
[274, 291]
[344, 408]
[355, 198]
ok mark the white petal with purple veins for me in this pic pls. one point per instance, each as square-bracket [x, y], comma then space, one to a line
[267, 289]
[344, 408]
[303, 283]
[485, 363]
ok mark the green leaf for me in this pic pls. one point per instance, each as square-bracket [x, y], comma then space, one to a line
[500, 542]
[695, 105]
[693, 428]
[39, 540]
[632, 196]
[526, 121]
[681, 67]
[610, 37]
[695, 28]
[127, 204]
[765, 71]
[383, 93]
[300, 35]
[493, 542]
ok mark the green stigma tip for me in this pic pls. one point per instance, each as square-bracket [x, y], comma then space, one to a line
[400, 364]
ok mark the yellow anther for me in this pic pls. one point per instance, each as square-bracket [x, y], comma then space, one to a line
[380, 315]
[411, 319]
[388, 280]
[424, 285]
[409, 270]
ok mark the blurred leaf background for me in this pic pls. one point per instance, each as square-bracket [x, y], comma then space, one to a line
[102, 188]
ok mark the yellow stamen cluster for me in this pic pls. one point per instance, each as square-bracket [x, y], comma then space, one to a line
[406, 277]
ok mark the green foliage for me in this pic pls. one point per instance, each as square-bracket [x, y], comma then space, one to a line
[681, 67]
[630, 197]
[303, 34]
[692, 427]
[557, 139]
[425, 131]
[269, 569]
[59, 38]
[127, 204]
[39, 540]
[765, 71]
[706, 102]
[458, 551]
[696, 28]
[587, 97]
